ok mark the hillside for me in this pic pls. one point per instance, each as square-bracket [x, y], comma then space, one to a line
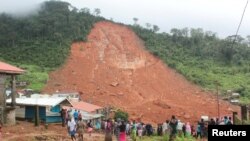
[203, 58]
[113, 68]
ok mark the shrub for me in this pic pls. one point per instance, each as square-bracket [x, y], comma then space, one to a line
[121, 115]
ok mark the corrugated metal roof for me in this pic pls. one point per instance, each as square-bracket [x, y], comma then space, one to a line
[85, 106]
[39, 101]
[9, 69]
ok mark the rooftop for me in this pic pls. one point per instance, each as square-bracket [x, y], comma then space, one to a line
[85, 106]
[45, 101]
[9, 69]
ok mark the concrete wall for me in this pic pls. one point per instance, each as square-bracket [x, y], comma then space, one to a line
[10, 116]
[2, 98]
[2, 90]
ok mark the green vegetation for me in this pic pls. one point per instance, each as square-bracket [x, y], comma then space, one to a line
[119, 114]
[166, 138]
[36, 76]
[202, 57]
[42, 41]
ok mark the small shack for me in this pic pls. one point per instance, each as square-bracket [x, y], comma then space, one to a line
[87, 107]
[88, 111]
[46, 108]
[7, 113]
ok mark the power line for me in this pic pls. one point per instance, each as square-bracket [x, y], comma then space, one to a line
[242, 16]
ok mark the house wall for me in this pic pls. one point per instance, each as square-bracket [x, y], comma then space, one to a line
[2, 99]
[10, 116]
[56, 108]
[30, 113]
[53, 119]
[2, 90]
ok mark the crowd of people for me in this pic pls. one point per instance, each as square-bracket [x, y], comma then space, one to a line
[122, 129]
[175, 127]
[75, 124]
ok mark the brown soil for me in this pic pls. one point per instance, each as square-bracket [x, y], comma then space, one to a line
[113, 68]
[26, 131]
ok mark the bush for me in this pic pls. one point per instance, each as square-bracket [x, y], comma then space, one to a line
[121, 115]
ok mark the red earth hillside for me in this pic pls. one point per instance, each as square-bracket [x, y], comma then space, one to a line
[113, 68]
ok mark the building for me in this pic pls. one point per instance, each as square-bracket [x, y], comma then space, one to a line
[88, 111]
[87, 107]
[7, 113]
[71, 96]
[48, 108]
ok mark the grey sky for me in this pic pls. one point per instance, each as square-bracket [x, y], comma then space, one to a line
[220, 16]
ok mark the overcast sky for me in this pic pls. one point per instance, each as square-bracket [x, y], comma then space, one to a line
[220, 16]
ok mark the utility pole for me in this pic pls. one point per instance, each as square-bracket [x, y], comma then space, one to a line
[37, 120]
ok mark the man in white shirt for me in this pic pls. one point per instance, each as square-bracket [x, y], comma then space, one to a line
[165, 127]
[72, 129]
[179, 127]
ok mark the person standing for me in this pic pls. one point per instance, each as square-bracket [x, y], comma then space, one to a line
[173, 124]
[63, 116]
[202, 126]
[139, 127]
[122, 127]
[128, 128]
[188, 129]
[72, 129]
[198, 130]
[79, 115]
[159, 130]
[229, 121]
[75, 115]
[108, 131]
[117, 128]
[165, 127]
[98, 126]
[90, 127]
[179, 127]
[193, 132]
[134, 131]
[80, 128]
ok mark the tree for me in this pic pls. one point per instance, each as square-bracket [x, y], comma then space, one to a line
[197, 35]
[234, 38]
[185, 32]
[155, 28]
[176, 32]
[210, 35]
[135, 20]
[248, 40]
[85, 10]
[121, 115]
[97, 11]
[148, 25]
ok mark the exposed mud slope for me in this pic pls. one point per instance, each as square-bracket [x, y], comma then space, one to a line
[114, 68]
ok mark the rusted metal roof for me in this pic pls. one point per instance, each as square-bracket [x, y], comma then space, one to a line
[9, 69]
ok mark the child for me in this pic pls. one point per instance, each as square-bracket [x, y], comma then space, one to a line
[90, 127]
